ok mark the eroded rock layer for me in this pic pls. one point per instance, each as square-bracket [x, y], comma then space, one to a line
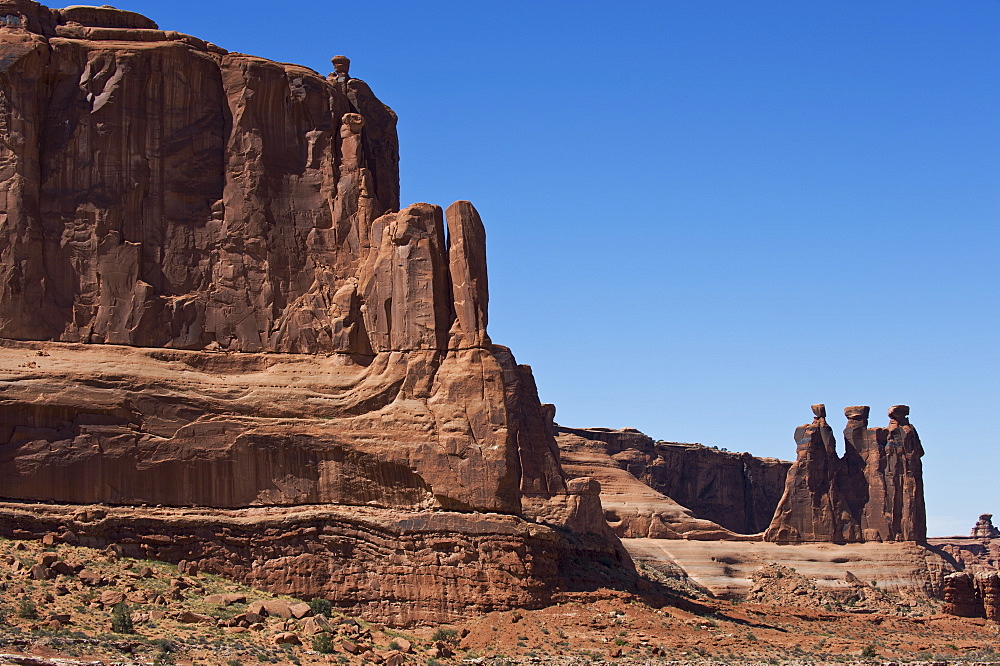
[388, 566]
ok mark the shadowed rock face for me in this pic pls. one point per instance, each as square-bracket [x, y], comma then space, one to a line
[204, 257]
[735, 491]
[873, 493]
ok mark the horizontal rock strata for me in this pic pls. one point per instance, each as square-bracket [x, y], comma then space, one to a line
[401, 568]
[697, 489]
[913, 571]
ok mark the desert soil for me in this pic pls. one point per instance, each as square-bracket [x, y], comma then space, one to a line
[68, 616]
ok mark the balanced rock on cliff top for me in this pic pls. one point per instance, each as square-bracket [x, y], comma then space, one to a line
[984, 528]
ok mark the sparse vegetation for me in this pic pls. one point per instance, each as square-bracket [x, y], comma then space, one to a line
[121, 619]
[321, 606]
[445, 635]
[323, 643]
[27, 610]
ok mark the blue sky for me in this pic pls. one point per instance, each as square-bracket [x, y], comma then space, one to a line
[705, 216]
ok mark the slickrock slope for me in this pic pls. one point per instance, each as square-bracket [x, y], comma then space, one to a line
[874, 492]
[677, 488]
[209, 297]
[726, 568]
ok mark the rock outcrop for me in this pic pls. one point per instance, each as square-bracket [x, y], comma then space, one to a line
[210, 297]
[961, 597]
[631, 508]
[873, 493]
[403, 567]
[736, 491]
[984, 528]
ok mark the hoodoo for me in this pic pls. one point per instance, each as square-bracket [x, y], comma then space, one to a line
[874, 492]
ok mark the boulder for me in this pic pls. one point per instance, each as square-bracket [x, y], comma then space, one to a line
[190, 617]
[317, 624]
[961, 597]
[112, 597]
[286, 638]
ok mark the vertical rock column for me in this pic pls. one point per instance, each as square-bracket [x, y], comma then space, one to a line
[469, 283]
[812, 508]
[904, 471]
[989, 591]
[852, 479]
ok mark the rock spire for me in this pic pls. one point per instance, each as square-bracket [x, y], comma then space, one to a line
[874, 492]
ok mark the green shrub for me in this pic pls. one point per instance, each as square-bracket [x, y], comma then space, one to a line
[27, 610]
[870, 651]
[121, 619]
[320, 606]
[445, 635]
[323, 643]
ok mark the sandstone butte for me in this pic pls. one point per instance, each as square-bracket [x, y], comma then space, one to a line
[222, 340]
[211, 302]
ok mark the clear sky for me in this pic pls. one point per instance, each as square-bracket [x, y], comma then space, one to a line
[704, 216]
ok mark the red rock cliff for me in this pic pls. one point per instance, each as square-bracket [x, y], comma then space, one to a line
[209, 297]
[241, 216]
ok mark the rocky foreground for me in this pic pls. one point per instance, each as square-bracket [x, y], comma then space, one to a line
[62, 601]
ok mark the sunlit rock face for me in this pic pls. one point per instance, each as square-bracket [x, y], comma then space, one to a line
[874, 492]
[210, 296]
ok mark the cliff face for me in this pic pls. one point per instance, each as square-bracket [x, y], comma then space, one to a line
[210, 297]
[732, 491]
[161, 192]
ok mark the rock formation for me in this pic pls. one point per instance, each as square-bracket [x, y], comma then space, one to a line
[813, 508]
[736, 491]
[961, 597]
[873, 493]
[407, 567]
[973, 595]
[988, 585]
[984, 528]
[210, 297]
[904, 471]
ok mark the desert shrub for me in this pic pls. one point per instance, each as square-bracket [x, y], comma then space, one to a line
[445, 635]
[323, 643]
[870, 651]
[320, 606]
[27, 610]
[121, 619]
